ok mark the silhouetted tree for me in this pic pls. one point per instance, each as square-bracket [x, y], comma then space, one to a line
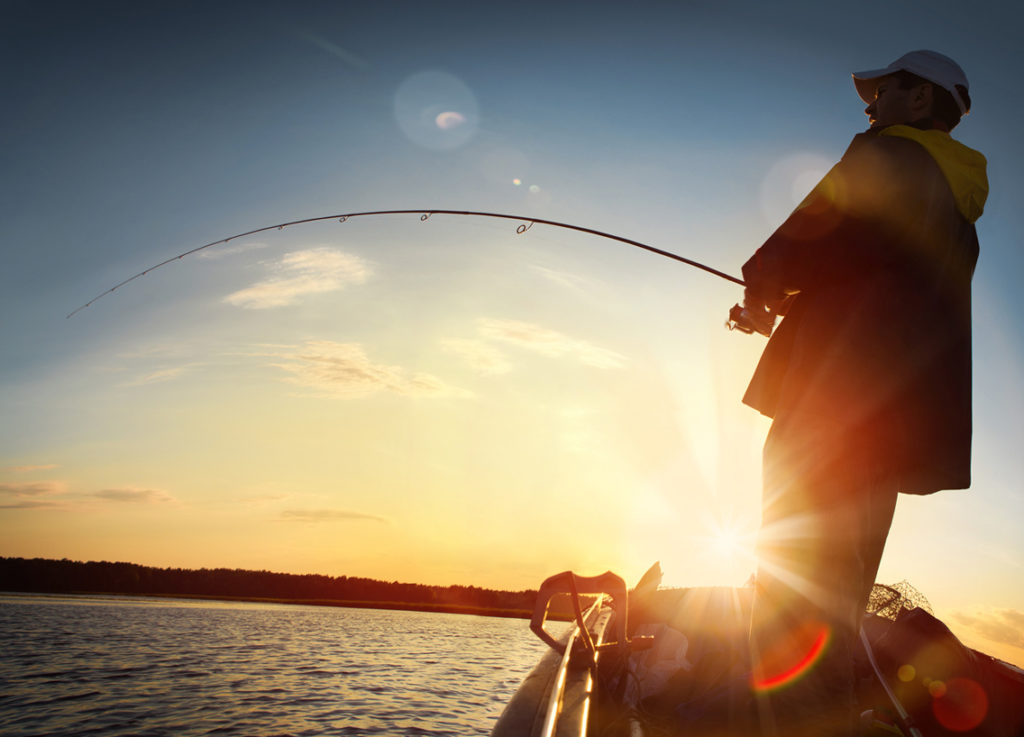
[42, 575]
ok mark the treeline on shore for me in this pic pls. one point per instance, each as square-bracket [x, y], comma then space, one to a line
[42, 575]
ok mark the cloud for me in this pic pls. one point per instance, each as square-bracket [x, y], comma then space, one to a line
[156, 350]
[261, 499]
[327, 515]
[134, 496]
[561, 278]
[300, 273]
[40, 495]
[33, 504]
[481, 356]
[32, 495]
[351, 59]
[217, 252]
[32, 489]
[344, 371]
[160, 375]
[1005, 626]
[30, 469]
[156, 363]
[550, 343]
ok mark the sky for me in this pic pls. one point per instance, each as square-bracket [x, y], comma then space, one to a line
[449, 401]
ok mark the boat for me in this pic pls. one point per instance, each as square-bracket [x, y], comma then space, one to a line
[661, 662]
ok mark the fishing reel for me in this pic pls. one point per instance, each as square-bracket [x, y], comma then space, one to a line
[750, 321]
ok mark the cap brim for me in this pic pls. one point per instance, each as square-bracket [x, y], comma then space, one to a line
[865, 82]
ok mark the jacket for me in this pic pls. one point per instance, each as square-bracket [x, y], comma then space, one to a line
[873, 357]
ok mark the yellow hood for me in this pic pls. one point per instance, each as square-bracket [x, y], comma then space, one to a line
[963, 167]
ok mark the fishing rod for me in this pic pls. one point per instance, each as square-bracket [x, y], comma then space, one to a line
[525, 224]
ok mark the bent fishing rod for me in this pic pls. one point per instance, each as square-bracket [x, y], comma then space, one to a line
[525, 224]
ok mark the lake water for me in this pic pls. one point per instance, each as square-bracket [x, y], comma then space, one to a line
[92, 665]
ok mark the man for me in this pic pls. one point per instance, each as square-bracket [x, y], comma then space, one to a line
[867, 379]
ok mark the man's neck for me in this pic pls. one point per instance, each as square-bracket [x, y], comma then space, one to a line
[929, 124]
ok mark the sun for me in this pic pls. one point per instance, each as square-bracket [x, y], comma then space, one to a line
[730, 541]
[726, 542]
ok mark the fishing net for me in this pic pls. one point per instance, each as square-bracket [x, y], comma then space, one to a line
[891, 600]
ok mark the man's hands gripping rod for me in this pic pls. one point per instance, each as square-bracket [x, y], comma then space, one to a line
[753, 316]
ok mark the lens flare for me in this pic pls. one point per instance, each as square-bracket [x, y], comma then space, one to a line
[449, 119]
[788, 181]
[783, 666]
[436, 110]
[962, 705]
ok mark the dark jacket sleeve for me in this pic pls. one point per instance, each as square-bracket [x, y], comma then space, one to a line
[834, 234]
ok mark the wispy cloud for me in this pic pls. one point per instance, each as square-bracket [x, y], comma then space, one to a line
[550, 342]
[31, 495]
[257, 500]
[156, 351]
[1005, 626]
[561, 278]
[32, 504]
[31, 468]
[301, 273]
[133, 496]
[32, 489]
[156, 363]
[218, 252]
[481, 356]
[354, 61]
[327, 515]
[160, 375]
[344, 371]
[55, 495]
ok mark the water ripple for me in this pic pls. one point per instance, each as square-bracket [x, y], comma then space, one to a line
[117, 667]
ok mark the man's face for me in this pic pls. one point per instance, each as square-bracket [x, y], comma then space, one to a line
[893, 105]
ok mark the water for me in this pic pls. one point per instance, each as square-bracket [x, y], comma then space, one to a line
[123, 666]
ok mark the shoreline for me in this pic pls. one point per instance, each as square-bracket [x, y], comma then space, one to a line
[340, 603]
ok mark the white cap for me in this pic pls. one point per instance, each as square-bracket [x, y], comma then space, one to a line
[931, 65]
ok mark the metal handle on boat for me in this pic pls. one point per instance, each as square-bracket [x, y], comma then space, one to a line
[902, 716]
[568, 582]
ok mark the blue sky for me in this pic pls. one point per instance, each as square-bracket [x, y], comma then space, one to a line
[526, 379]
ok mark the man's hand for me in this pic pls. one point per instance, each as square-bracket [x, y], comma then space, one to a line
[755, 316]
